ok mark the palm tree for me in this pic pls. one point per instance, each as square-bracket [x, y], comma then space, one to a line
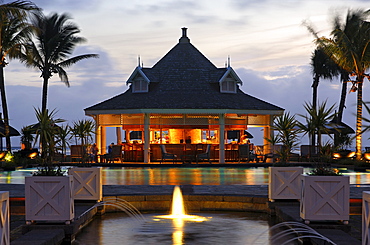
[83, 131]
[47, 134]
[55, 39]
[286, 126]
[351, 52]
[27, 137]
[12, 32]
[322, 67]
[316, 120]
[64, 137]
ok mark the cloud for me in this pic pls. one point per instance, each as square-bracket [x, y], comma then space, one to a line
[268, 46]
[155, 8]
[242, 4]
[67, 5]
[293, 91]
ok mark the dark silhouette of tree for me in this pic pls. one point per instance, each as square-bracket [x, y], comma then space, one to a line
[322, 67]
[349, 48]
[13, 29]
[54, 40]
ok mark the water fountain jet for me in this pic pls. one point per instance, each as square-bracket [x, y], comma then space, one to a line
[294, 231]
[121, 204]
[178, 209]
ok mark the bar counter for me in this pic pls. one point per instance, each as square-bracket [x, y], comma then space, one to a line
[134, 152]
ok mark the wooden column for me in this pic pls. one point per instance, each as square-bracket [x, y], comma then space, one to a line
[118, 135]
[103, 140]
[268, 134]
[146, 138]
[222, 138]
[98, 134]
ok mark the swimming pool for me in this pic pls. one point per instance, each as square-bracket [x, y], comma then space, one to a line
[181, 176]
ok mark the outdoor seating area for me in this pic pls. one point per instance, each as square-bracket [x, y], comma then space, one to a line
[194, 153]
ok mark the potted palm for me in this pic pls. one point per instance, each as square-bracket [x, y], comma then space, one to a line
[284, 180]
[87, 180]
[317, 122]
[63, 142]
[325, 192]
[325, 195]
[48, 192]
[82, 131]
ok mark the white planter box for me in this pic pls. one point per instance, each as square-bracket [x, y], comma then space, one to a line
[325, 198]
[285, 183]
[4, 218]
[87, 183]
[49, 198]
[365, 217]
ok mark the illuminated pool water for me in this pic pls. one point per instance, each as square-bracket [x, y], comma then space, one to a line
[181, 176]
[221, 228]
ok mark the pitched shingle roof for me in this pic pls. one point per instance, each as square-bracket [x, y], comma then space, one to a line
[184, 79]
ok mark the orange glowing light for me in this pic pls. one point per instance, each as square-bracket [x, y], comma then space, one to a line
[2, 155]
[367, 156]
[336, 155]
[352, 154]
[32, 155]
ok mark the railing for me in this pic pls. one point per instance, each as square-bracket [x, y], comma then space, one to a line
[135, 152]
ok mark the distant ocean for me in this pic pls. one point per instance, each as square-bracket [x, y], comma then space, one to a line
[14, 149]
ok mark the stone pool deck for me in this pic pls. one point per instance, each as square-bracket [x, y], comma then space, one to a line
[197, 198]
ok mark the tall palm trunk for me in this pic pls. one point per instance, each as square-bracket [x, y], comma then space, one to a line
[344, 78]
[5, 109]
[314, 86]
[44, 93]
[360, 80]
[342, 104]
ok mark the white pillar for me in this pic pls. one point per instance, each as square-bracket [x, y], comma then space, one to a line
[103, 140]
[98, 134]
[98, 139]
[118, 135]
[146, 138]
[268, 134]
[221, 153]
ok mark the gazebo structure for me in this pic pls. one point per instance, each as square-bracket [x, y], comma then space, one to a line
[182, 101]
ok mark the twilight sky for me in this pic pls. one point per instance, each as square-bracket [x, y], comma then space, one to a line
[268, 46]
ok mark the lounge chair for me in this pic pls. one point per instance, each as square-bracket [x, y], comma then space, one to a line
[166, 155]
[116, 154]
[204, 155]
[244, 152]
[76, 152]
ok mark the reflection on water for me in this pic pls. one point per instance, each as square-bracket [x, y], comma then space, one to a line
[223, 228]
[181, 176]
[186, 176]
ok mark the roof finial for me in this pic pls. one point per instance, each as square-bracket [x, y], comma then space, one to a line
[138, 60]
[228, 61]
[184, 31]
[184, 38]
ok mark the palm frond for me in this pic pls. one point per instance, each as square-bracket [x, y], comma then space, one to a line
[74, 60]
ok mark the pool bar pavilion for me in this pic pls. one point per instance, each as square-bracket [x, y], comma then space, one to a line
[185, 103]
